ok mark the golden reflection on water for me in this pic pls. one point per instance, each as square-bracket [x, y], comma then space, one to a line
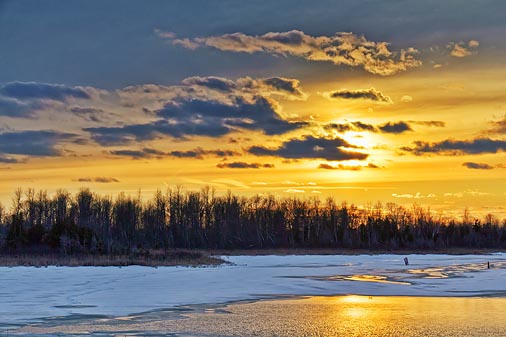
[374, 278]
[325, 316]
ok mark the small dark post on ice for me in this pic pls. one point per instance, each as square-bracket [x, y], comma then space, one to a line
[406, 262]
[488, 264]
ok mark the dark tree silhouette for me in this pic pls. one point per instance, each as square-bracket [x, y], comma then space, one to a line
[92, 223]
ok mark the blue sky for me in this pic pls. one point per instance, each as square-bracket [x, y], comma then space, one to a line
[111, 44]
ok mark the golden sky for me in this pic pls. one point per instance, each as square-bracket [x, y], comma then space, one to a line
[390, 109]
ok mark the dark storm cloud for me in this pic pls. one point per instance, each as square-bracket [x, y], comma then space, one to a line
[364, 94]
[103, 180]
[35, 143]
[244, 165]
[34, 90]
[477, 166]
[456, 147]
[311, 148]
[398, 127]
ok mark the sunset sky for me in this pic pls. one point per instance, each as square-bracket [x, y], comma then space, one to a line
[395, 101]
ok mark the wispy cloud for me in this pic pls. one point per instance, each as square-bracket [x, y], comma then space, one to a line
[135, 154]
[462, 49]
[103, 180]
[351, 126]
[294, 190]
[346, 167]
[417, 195]
[200, 153]
[456, 147]
[498, 127]
[436, 124]
[466, 193]
[482, 166]
[197, 153]
[88, 113]
[370, 94]
[341, 49]
[389, 127]
[477, 166]
[244, 165]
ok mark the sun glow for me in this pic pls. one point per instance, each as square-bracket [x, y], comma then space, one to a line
[360, 139]
[354, 299]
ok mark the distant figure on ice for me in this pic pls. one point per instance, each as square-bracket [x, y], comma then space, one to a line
[488, 264]
[406, 262]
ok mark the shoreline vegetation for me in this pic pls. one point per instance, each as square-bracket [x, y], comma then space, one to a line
[190, 228]
[199, 258]
[149, 259]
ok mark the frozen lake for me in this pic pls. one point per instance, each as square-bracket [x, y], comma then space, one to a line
[328, 316]
[41, 295]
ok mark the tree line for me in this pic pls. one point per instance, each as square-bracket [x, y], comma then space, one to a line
[99, 224]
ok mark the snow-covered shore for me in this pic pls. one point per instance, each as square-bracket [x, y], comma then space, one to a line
[27, 293]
